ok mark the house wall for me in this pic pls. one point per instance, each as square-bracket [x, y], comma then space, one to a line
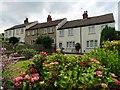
[94, 36]
[81, 35]
[66, 38]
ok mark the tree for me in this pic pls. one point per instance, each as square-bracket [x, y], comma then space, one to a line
[108, 33]
[45, 40]
[77, 46]
[14, 41]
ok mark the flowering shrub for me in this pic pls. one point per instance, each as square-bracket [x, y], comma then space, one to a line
[60, 71]
[109, 58]
[28, 53]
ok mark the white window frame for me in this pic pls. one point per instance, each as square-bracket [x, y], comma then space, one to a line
[92, 43]
[61, 44]
[22, 31]
[61, 33]
[70, 32]
[10, 32]
[70, 44]
[28, 33]
[45, 31]
[33, 32]
[91, 29]
[17, 31]
[50, 30]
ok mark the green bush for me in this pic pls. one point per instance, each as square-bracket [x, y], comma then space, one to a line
[109, 58]
[28, 53]
[66, 72]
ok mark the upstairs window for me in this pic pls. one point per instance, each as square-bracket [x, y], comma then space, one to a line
[33, 32]
[50, 30]
[17, 32]
[70, 32]
[91, 29]
[45, 31]
[61, 33]
[10, 33]
[22, 31]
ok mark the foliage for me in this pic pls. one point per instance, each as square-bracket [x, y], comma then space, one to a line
[108, 33]
[45, 40]
[28, 53]
[66, 72]
[13, 40]
[77, 46]
[109, 58]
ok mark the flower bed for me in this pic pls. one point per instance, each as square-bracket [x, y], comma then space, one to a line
[60, 71]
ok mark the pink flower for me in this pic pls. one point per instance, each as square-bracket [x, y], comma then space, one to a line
[3, 49]
[32, 70]
[1, 78]
[17, 69]
[93, 60]
[12, 77]
[43, 53]
[18, 79]
[117, 82]
[34, 77]
[99, 73]
[56, 63]
[58, 50]
[22, 73]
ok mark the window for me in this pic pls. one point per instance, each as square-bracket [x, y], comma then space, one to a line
[91, 29]
[70, 32]
[70, 44]
[61, 33]
[45, 31]
[60, 45]
[22, 31]
[28, 33]
[50, 30]
[92, 43]
[33, 32]
[10, 33]
[6, 33]
[53, 40]
[33, 42]
[17, 32]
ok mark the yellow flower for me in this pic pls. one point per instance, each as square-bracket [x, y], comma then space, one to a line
[42, 82]
[104, 85]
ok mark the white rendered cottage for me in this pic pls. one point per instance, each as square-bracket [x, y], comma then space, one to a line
[86, 31]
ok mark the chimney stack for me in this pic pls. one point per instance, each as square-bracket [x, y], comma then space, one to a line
[49, 19]
[26, 21]
[85, 15]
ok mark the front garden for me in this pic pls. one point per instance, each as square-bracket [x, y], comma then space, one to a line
[98, 70]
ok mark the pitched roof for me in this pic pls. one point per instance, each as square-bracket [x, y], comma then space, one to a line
[107, 18]
[19, 26]
[46, 24]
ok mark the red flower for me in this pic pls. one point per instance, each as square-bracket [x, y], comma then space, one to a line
[117, 82]
[58, 50]
[99, 73]
[84, 63]
[32, 70]
[56, 63]
[93, 60]
[43, 53]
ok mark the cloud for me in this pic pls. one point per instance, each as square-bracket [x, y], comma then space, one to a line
[16, 11]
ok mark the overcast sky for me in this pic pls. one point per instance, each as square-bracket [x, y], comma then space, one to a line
[15, 11]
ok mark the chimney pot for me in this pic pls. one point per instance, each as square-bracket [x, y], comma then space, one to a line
[85, 15]
[26, 21]
[49, 19]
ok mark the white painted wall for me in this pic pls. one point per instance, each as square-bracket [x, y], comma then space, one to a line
[63, 40]
[86, 36]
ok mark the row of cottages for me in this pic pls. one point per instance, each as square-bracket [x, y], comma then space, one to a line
[49, 28]
[19, 30]
[86, 31]
[65, 34]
